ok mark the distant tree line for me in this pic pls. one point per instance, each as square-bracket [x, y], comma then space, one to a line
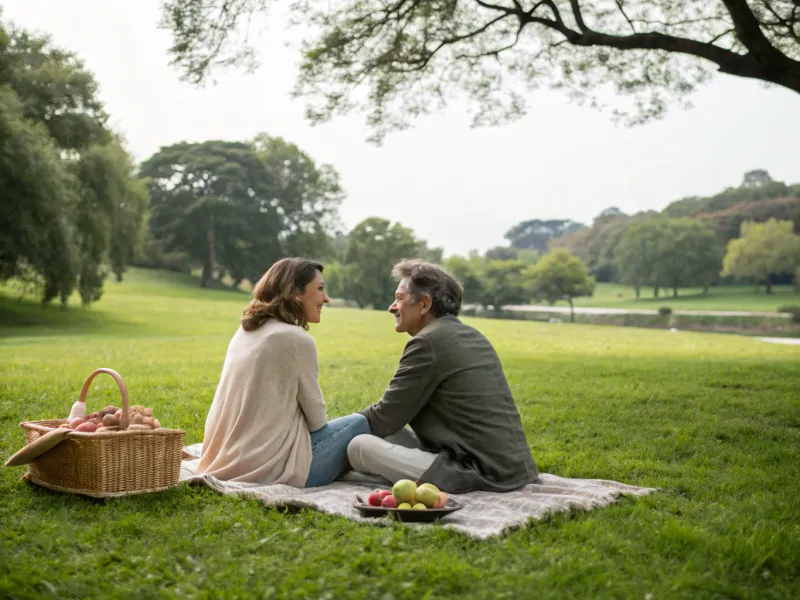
[360, 269]
[684, 245]
[76, 208]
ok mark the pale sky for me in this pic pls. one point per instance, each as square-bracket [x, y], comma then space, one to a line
[456, 187]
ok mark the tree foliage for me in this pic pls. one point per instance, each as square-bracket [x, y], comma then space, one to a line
[71, 203]
[502, 253]
[36, 226]
[468, 272]
[559, 276]
[727, 223]
[684, 207]
[691, 255]
[762, 251]
[756, 185]
[535, 234]
[639, 253]
[310, 196]
[672, 253]
[373, 247]
[596, 245]
[404, 58]
[503, 283]
[236, 207]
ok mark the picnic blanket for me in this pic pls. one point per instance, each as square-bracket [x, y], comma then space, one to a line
[484, 514]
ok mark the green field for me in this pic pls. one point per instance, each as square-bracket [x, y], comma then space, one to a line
[712, 420]
[733, 297]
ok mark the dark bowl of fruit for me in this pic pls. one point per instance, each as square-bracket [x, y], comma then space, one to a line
[407, 502]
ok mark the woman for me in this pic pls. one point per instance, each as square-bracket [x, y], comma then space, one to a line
[267, 422]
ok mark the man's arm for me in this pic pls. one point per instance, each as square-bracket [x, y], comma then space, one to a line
[410, 388]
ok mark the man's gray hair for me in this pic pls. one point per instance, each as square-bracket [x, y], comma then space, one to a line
[427, 278]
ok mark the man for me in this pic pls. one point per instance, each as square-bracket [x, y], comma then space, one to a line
[450, 388]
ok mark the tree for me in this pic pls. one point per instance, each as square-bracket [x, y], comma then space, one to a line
[757, 185]
[310, 196]
[36, 226]
[374, 246]
[747, 192]
[682, 208]
[691, 255]
[595, 245]
[727, 223]
[668, 253]
[109, 215]
[334, 282]
[410, 54]
[638, 254]
[215, 201]
[236, 207]
[763, 250]
[756, 178]
[56, 90]
[503, 283]
[502, 253]
[559, 276]
[535, 234]
[95, 208]
[129, 226]
[467, 272]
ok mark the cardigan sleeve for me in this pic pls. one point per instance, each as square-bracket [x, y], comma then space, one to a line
[309, 394]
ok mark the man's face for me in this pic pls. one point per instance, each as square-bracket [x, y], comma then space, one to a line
[410, 317]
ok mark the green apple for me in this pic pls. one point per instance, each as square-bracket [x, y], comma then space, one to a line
[404, 491]
[404, 505]
[430, 485]
[419, 506]
[427, 496]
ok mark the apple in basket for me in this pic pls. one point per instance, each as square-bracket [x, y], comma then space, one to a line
[110, 419]
[87, 427]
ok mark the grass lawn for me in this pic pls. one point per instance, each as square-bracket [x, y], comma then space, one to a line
[734, 297]
[713, 420]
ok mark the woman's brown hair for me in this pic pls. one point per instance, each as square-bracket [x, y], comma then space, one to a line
[275, 294]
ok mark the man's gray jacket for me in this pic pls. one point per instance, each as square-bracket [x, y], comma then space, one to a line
[451, 389]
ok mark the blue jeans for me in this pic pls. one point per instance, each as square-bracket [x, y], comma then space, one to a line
[329, 448]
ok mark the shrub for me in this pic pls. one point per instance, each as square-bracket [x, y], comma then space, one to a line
[665, 311]
[792, 309]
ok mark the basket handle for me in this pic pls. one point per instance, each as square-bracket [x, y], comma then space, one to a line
[123, 390]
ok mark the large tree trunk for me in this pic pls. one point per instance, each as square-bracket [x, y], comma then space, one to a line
[211, 257]
[571, 311]
[768, 283]
[655, 292]
[637, 289]
[674, 291]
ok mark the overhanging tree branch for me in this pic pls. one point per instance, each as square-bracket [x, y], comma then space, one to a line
[404, 53]
[748, 29]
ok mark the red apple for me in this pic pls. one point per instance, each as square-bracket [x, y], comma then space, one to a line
[389, 502]
[374, 499]
[87, 427]
[385, 493]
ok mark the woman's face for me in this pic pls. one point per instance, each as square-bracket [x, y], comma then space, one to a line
[313, 298]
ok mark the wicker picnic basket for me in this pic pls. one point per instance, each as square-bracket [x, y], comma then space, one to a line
[107, 464]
